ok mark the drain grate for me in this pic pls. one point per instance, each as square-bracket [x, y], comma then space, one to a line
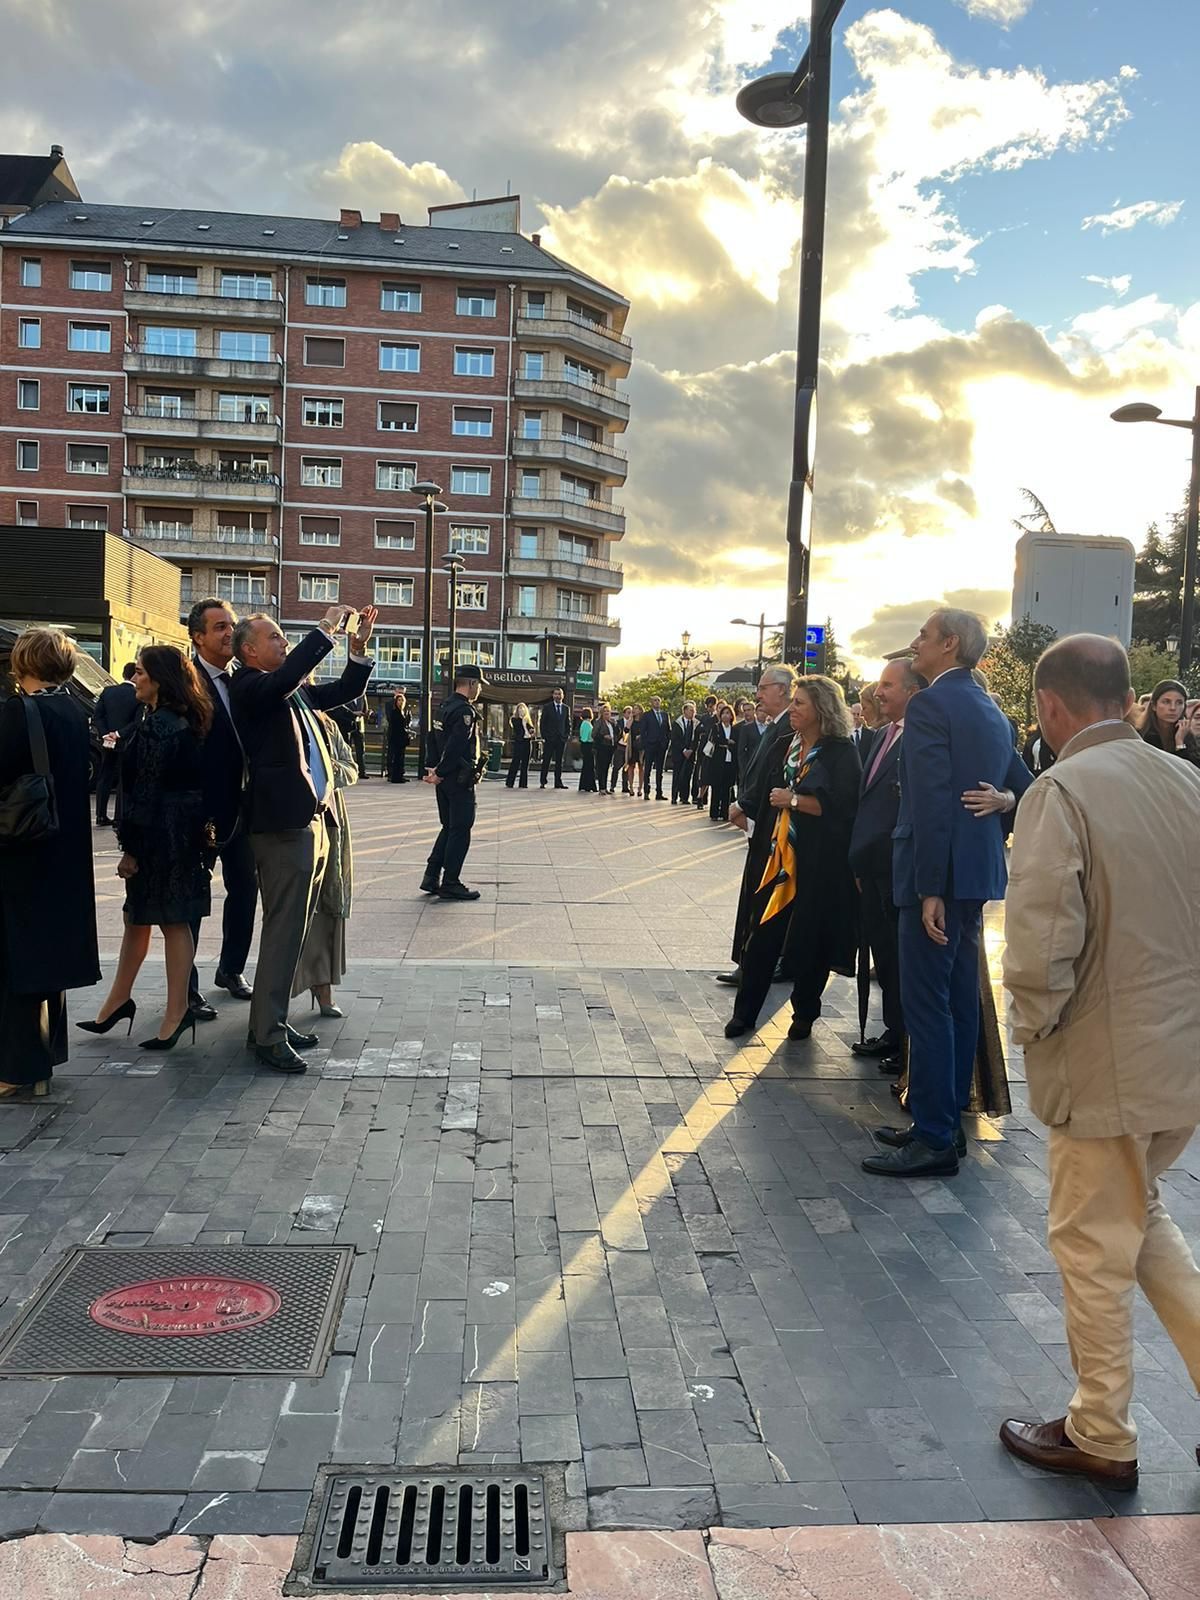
[402, 1531]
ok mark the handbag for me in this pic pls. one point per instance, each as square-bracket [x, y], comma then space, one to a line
[28, 808]
[708, 749]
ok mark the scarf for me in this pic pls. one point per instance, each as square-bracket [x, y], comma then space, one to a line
[780, 873]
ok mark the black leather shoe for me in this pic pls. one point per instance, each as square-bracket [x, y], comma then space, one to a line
[897, 1138]
[560, 785]
[279, 1057]
[234, 984]
[882, 1045]
[731, 978]
[800, 1030]
[431, 882]
[296, 1040]
[913, 1160]
[201, 1010]
[735, 1028]
[459, 891]
[890, 1066]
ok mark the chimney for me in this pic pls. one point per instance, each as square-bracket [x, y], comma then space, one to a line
[537, 241]
[389, 221]
[350, 219]
[56, 150]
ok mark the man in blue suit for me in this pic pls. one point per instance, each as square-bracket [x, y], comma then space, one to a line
[959, 774]
[656, 736]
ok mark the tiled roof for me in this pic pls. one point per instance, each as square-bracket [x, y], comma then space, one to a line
[22, 177]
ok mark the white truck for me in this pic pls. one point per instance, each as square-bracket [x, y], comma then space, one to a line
[1075, 583]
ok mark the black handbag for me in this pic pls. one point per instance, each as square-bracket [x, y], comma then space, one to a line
[28, 808]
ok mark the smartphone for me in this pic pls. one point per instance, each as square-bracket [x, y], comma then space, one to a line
[349, 623]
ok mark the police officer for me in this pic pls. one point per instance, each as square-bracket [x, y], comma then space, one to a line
[456, 776]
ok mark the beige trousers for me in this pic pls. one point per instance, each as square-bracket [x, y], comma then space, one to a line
[1110, 1232]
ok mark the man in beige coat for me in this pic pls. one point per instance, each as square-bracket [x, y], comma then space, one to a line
[1103, 898]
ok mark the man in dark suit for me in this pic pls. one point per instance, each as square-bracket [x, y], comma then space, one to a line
[211, 623]
[746, 739]
[289, 799]
[349, 721]
[707, 721]
[946, 864]
[656, 737]
[871, 859]
[555, 730]
[114, 715]
[683, 753]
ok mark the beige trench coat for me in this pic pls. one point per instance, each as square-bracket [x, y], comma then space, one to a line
[1103, 930]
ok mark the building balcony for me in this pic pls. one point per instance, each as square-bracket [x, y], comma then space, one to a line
[569, 329]
[594, 399]
[589, 627]
[203, 483]
[598, 455]
[551, 564]
[196, 423]
[149, 364]
[192, 305]
[598, 516]
[225, 547]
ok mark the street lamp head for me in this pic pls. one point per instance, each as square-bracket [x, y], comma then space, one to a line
[740, 622]
[769, 102]
[1139, 411]
[686, 637]
[426, 491]
[662, 661]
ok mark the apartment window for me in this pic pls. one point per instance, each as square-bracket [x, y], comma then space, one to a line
[397, 416]
[29, 394]
[527, 600]
[91, 458]
[169, 341]
[246, 285]
[573, 658]
[93, 397]
[31, 272]
[578, 372]
[396, 655]
[534, 364]
[531, 485]
[532, 424]
[524, 655]
[239, 345]
[322, 587]
[167, 462]
[242, 527]
[585, 432]
[527, 544]
[470, 541]
[245, 590]
[169, 403]
[472, 361]
[325, 292]
[400, 297]
[471, 596]
[91, 275]
[395, 535]
[166, 522]
[572, 604]
[321, 472]
[399, 357]
[473, 421]
[171, 280]
[535, 304]
[324, 352]
[87, 517]
[27, 513]
[393, 592]
[320, 530]
[28, 455]
[29, 333]
[481, 651]
[578, 489]
[322, 412]
[89, 336]
[244, 408]
[582, 313]
[476, 303]
[186, 589]
[244, 464]
[470, 480]
[575, 549]
[395, 474]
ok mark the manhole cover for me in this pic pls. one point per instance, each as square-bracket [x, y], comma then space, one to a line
[396, 1531]
[133, 1312]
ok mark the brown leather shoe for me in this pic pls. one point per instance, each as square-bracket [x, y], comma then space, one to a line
[1046, 1445]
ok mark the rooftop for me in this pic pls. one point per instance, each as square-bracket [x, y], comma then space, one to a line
[22, 178]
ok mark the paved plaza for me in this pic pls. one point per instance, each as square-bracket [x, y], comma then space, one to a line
[587, 1229]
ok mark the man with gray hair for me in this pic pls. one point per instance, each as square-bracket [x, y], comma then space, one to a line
[1105, 900]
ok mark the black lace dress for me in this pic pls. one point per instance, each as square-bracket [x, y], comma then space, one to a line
[163, 824]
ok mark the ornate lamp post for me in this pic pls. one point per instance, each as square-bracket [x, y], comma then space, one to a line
[682, 656]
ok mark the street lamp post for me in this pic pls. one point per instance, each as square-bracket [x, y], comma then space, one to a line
[429, 494]
[682, 656]
[1141, 412]
[455, 567]
[762, 625]
[783, 100]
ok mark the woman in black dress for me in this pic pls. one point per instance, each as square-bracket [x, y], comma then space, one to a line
[520, 732]
[47, 894]
[722, 764]
[633, 753]
[165, 836]
[803, 914]
[397, 737]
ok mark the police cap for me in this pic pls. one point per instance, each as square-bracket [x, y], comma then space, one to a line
[470, 670]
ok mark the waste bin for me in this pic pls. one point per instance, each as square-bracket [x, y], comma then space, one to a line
[495, 754]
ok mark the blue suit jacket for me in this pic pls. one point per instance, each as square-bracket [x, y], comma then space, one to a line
[955, 738]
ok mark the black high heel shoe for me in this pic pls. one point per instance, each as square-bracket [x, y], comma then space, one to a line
[172, 1040]
[129, 1009]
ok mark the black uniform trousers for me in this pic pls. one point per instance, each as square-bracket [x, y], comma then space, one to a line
[456, 812]
[552, 751]
[653, 761]
[240, 876]
[881, 922]
[681, 778]
[107, 780]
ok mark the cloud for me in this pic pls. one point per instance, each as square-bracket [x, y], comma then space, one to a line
[1160, 212]
[1004, 12]
[894, 625]
[368, 177]
[1118, 286]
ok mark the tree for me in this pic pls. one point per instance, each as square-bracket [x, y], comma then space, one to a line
[1158, 583]
[773, 650]
[1149, 664]
[1037, 519]
[640, 691]
[1009, 665]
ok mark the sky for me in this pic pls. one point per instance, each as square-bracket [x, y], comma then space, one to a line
[1013, 222]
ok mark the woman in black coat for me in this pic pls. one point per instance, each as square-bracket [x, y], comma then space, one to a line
[722, 764]
[803, 912]
[520, 732]
[47, 893]
[166, 839]
[397, 737]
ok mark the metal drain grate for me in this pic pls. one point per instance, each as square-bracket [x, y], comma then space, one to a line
[397, 1531]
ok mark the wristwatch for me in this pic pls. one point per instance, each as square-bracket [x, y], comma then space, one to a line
[792, 802]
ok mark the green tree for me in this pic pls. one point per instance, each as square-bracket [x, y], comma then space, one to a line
[1149, 664]
[1158, 583]
[1037, 519]
[1009, 665]
[639, 691]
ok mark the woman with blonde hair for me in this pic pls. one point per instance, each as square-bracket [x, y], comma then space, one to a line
[633, 753]
[520, 731]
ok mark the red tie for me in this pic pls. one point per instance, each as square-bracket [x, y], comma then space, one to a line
[888, 741]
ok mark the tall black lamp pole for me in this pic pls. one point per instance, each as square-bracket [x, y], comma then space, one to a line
[429, 493]
[455, 567]
[762, 625]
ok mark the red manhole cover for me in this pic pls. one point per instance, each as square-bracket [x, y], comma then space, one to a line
[185, 1307]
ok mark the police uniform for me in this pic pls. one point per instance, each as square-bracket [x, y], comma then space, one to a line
[460, 769]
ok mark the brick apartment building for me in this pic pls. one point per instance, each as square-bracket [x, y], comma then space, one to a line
[254, 396]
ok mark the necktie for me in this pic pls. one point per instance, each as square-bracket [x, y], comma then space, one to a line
[888, 740]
